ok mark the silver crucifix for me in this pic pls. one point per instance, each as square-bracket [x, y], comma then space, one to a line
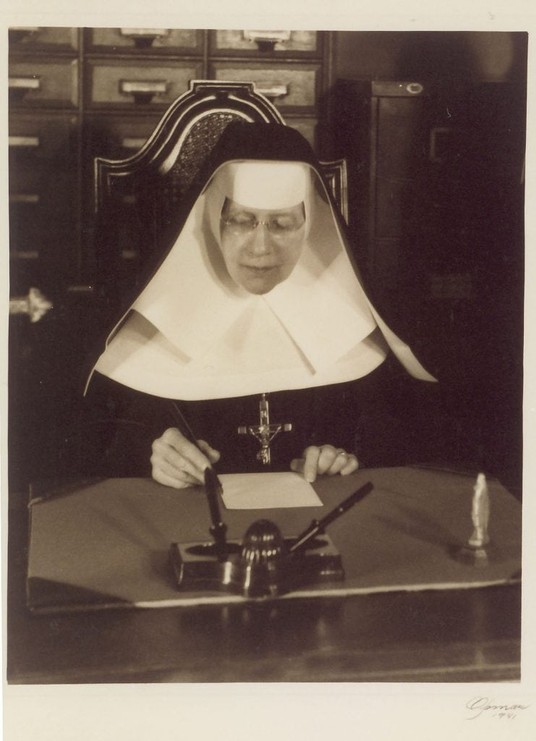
[264, 431]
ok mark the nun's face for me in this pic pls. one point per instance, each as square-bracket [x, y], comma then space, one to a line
[261, 247]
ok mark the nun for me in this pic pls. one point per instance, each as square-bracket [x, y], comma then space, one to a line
[254, 333]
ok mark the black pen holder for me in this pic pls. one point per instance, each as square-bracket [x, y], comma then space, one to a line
[261, 566]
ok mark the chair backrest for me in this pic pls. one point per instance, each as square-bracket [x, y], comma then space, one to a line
[184, 137]
[148, 186]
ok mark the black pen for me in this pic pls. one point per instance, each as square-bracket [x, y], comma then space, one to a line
[189, 434]
[181, 420]
[218, 528]
[213, 487]
[318, 526]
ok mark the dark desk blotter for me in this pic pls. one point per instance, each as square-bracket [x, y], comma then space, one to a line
[105, 543]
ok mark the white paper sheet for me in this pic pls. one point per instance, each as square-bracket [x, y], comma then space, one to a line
[267, 491]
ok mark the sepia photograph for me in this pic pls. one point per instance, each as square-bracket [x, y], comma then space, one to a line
[266, 359]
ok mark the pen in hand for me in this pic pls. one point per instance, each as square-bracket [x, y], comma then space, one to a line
[182, 422]
[188, 433]
[213, 487]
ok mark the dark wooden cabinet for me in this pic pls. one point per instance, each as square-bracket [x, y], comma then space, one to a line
[433, 170]
[436, 213]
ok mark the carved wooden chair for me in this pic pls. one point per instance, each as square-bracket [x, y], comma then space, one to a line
[135, 196]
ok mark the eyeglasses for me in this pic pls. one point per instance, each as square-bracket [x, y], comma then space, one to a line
[278, 226]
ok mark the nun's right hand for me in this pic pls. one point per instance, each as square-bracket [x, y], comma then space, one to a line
[178, 462]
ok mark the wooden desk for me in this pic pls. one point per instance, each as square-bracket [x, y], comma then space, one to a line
[428, 636]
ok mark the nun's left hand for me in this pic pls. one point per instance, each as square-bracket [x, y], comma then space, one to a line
[324, 459]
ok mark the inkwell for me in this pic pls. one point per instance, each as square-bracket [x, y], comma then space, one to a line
[264, 564]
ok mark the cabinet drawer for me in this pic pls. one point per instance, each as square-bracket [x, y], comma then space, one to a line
[127, 85]
[295, 87]
[34, 139]
[162, 40]
[267, 43]
[26, 227]
[43, 198]
[43, 235]
[42, 38]
[42, 171]
[38, 246]
[47, 83]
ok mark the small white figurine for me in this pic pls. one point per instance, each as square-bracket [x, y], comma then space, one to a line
[480, 513]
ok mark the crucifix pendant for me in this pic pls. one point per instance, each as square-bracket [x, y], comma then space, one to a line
[264, 431]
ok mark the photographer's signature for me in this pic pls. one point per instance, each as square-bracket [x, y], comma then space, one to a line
[485, 706]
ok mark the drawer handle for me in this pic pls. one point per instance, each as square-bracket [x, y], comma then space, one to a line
[35, 304]
[143, 91]
[143, 37]
[80, 288]
[272, 90]
[19, 33]
[266, 40]
[20, 86]
[24, 142]
[24, 198]
[24, 254]
[132, 142]
[414, 88]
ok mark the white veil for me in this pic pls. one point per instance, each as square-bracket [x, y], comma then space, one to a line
[195, 334]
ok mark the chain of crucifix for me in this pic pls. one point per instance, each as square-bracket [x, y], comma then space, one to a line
[264, 431]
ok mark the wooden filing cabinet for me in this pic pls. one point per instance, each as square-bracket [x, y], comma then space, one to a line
[44, 176]
[44, 238]
[436, 176]
[436, 173]
[44, 202]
